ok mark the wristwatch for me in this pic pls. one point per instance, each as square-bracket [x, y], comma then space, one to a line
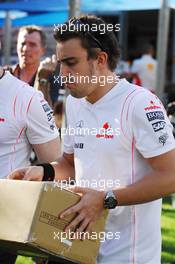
[110, 201]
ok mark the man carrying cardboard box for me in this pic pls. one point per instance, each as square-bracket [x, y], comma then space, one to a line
[117, 135]
[26, 122]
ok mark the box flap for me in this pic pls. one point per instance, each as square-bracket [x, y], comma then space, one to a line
[18, 200]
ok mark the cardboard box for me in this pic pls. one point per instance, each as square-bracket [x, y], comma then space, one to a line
[29, 222]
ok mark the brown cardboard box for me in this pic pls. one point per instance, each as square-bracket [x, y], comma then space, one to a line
[29, 222]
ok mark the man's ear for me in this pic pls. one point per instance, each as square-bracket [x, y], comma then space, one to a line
[102, 59]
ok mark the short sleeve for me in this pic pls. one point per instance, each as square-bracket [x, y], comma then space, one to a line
[70, 130]
[41, 127]
[151, 127]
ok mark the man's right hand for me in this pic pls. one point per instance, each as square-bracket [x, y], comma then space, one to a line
[47, 66]
[34, 173]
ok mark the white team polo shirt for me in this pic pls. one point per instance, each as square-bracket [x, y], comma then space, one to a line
[25, 119]
[145, 67]
[127, 125]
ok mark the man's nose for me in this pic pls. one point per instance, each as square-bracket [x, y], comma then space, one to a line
[64, 70]
[25, 47]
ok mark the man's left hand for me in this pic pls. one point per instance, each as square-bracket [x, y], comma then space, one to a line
[89, 210]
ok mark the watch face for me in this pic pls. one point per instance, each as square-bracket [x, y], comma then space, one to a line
[110, 203]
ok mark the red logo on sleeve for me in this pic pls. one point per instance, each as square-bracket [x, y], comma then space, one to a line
[152, 106]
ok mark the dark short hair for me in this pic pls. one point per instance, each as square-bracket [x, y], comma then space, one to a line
[91, 39]
[147, 47]
[32, 28]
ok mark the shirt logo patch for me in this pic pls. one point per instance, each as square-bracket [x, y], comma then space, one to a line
[105, 132]
[150, 66]
[163, 138]
[152, 106]
[158, 126]
[155, 115]
[80, 124]
[79, 145]
[49, 113]
[46, 107]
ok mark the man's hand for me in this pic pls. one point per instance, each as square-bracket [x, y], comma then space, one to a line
[89, 210]
[34, 173]
[45, 71]
[46, 66]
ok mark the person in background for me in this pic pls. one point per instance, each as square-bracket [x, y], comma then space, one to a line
[123, 69]
[31, 47]
[144, 69]
[49, 73]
